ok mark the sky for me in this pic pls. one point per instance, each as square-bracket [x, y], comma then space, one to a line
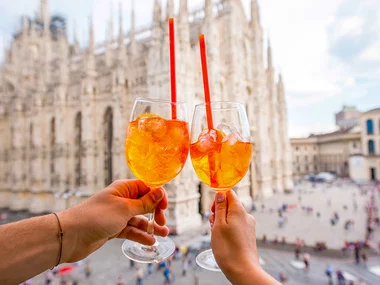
[328, 51]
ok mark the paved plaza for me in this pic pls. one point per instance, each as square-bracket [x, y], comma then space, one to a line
[310, 227]
[109, 263]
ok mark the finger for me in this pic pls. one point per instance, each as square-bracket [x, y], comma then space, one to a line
[141, 223]
[145, 204]
[129, 188]
[213, 207]
[164, 202]
[220, 208]
[234, 204]
[212, 220]
[159, 217]
[137, 235]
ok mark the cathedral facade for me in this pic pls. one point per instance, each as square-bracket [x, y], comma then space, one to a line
[64, 108]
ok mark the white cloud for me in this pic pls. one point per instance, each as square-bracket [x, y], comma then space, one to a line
[348, 26]
[372, 53]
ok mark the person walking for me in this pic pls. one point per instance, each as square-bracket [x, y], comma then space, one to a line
[340, 277]
[49, 277]
[139, 276]
[150, 269]
[306, 260]
[297, 252]
[167, 275]
[329, 274]
[185, 266]
[87, 270]
[364, 258]
[357, 253]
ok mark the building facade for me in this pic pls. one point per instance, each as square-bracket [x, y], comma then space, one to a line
[370, 161]
[64, 108]
[329, 152]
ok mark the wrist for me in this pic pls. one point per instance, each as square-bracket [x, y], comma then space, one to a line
[251, 273]
[70, 235]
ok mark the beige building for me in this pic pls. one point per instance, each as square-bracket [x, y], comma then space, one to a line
[64, 108]
[370, 125]
[329, 152]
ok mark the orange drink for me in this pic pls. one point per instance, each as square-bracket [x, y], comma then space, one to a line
[220, 160]
[156, 149]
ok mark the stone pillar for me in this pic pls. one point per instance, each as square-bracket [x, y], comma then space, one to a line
[89, 140]
[20, 198]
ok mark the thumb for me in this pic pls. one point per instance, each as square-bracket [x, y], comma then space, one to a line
[220, 208]
[147, 203]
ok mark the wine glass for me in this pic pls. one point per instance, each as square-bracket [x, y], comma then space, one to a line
[156, 149]
[221, 155]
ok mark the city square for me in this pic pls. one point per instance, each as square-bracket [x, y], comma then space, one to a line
[108, 264]
[277, 100]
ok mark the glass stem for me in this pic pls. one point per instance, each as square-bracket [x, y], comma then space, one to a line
[150, 229]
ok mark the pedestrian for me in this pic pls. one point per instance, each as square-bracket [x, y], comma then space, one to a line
[75, 282]
[185, 266]
[306, 260]
[340, 277]
[150, 269]
[357, 252]
[297, 251]
[87, 270]
[196, 278]
[120, 280]
[48, 277]
[364, 258]
[329, 273]
[280, 221]
[131, 263]
[139, 276]
[167, 276]
[282, 277]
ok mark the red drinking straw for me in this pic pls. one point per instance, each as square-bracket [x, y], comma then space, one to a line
[206, 85]
[172, 68]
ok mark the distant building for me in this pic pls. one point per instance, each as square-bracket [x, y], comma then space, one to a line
[328, 152]
[347, 118]
[366, 167]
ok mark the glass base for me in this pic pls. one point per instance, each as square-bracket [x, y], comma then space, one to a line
[162, 249]
[207, 261]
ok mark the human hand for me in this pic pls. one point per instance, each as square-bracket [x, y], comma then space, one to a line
[233, 241]
[112, 213]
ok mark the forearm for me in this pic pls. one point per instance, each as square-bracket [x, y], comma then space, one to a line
[253, 275]
[29, 247]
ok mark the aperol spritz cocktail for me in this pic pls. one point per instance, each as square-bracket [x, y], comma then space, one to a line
[156, 149]
[221, 156]
[221, 160]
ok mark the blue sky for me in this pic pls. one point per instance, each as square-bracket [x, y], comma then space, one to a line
[327, 50]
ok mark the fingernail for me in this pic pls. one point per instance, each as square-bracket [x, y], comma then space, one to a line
[219, 197]
[157, 194]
